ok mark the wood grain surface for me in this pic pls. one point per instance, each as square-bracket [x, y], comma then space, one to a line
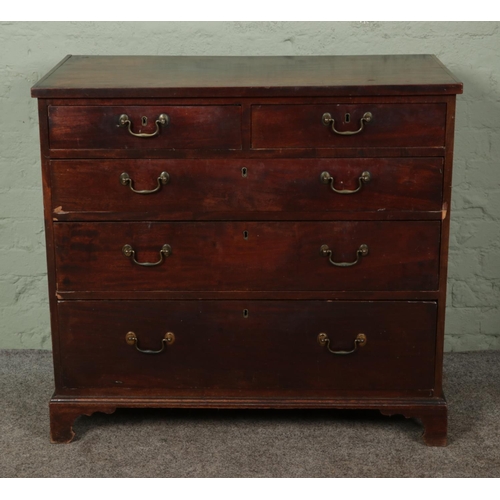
[189, 127]
[197, 188]
[273, 351]
[204, 76]
[245, 214]
[392, 125]
[229, 256]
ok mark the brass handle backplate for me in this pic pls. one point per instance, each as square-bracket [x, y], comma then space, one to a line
[131, 339]
[128, 251]
[327, 119]
[326, 178]
[162, 180]
[325, 251]
[163, 119]
[359, 341]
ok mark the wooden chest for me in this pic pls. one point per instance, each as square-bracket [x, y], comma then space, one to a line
[248, 232]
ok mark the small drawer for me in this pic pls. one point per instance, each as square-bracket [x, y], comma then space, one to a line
[232, 256]
[162, 127]
[194, 189]
[354, 125]
[249, 348]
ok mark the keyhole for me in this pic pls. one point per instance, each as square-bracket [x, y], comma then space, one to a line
[347, 117]
[245, 313]
[144, 121]
[244, 172]
[245, 235]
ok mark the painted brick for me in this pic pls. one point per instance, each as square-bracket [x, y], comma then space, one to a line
[469, 49]
[478, 234]
[459, 174]
[462, 321]
[8, 290]
[17, 262]
[491, 264]
[463, 264]
[484, 114]
[484, 174]
[477, 293]
[21, 204]
[472, 143]
[492, 209]
[471, 342]
[490, 322]
[494, 139]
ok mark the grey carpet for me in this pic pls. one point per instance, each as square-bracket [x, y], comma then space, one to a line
[211, 443]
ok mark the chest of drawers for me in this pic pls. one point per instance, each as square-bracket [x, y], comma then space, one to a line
[247, 232]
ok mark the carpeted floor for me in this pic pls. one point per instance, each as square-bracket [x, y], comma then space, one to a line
[211, 443]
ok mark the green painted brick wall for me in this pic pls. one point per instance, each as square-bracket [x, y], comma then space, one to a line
[470, 49]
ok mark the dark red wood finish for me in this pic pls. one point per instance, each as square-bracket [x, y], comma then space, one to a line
[188, 127]
[445, 237]
[392, 125]
[229, 187]
[215, 76]
[49, 236]
[269, 350]
[260, 114]
[222, 256]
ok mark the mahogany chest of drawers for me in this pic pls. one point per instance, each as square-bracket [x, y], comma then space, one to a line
[247, 232]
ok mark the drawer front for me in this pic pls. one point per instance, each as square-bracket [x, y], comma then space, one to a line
[187, 127]
[391, 125]
[203, 188]
[271, 349]
[227, 256]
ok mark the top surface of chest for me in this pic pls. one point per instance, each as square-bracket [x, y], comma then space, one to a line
[244, 76]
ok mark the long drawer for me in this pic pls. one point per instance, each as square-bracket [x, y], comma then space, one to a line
[366, 125]
[168, 127]
[217, 256]
[184, 189]
[249, 348]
